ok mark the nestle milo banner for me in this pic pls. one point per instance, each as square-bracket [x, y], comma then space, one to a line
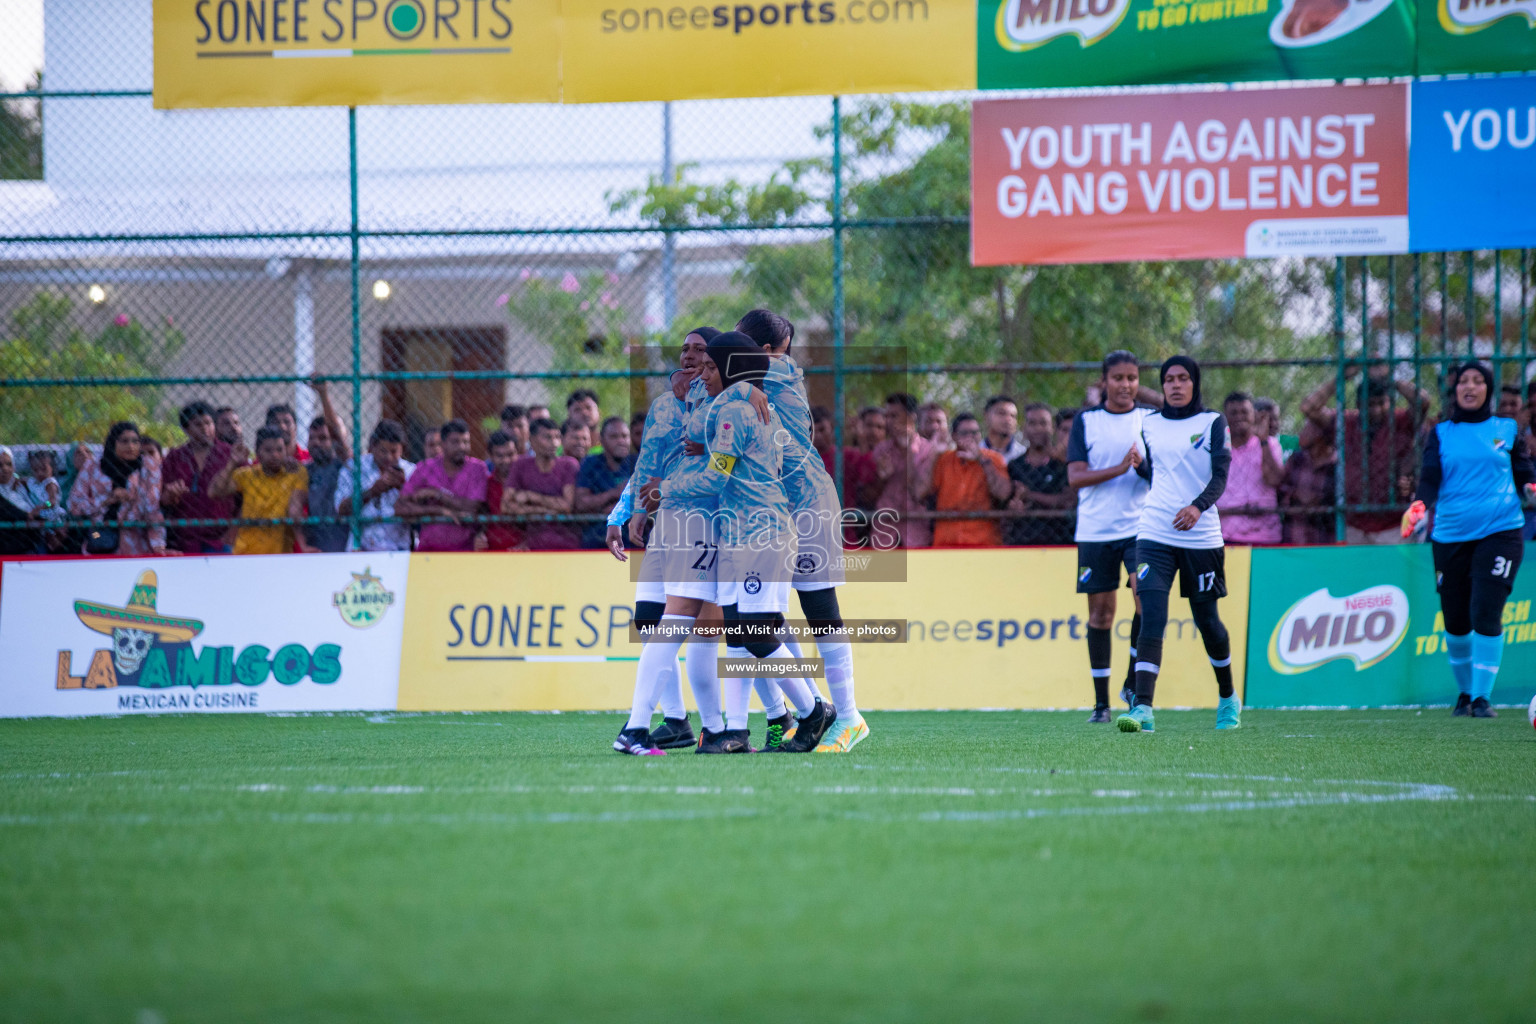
[1361, 626]
[1053, 43]
[1476, 35]
[259, 633]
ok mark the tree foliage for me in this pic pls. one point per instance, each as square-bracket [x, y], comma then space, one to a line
[21, 136]
[44, 344]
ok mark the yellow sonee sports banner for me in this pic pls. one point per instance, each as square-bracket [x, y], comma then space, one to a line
[620, 50]
[995, 628]
[268, 53]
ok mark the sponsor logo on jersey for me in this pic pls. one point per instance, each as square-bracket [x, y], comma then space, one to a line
[1364, 627]
[753, 583]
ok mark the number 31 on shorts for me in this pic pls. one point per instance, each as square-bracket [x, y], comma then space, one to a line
[1502, 566]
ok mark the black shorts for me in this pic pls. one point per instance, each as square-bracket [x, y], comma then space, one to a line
[1202, 572]
[1494, 559]
[1099, 562]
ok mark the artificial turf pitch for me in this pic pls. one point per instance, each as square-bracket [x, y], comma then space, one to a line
[1315, 866]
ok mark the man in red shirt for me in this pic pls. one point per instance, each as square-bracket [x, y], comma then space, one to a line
[185, 477]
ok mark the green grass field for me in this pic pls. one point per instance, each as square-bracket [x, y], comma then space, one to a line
[1316, 866]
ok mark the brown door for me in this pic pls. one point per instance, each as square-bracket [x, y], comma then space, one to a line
[423, 405]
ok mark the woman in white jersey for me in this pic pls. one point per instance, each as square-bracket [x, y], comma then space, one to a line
[1102, 455]
[1186, 463]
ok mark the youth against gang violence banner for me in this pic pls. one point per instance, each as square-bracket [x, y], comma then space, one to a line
[1191, 175]
[256, 633]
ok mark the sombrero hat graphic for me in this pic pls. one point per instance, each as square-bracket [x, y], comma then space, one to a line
[139, 613]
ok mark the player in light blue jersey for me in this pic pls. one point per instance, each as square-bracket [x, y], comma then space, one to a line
[676, 585]
[661, 451]
[818, 527]
[742, 476]
[1476, 467]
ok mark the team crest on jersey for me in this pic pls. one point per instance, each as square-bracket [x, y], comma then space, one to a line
[753, 583]
[1196, 440]
[805, 563]
[1084, 574]
[1142, 570]
[1499, 444]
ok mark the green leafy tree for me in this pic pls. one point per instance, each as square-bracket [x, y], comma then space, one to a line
[44, 344]
[21, 136]
[912, 285]
[580, 319]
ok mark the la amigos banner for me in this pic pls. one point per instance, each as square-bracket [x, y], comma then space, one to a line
[1190, 175]
[1361, 627]
[257, 633]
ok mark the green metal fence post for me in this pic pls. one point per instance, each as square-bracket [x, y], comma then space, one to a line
[357, 337]
[838, 334]
[1338, 421]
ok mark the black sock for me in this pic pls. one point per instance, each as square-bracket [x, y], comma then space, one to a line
[1218, 647]
[1148, 661]
[1130, 668]
[1099, 652]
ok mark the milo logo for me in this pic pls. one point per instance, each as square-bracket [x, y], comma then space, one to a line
[1365, 628]
[1461, 17]
[1026, 24]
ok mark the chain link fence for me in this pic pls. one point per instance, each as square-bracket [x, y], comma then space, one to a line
[431, 263]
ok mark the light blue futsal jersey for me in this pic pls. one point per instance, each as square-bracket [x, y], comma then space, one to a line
[807, 483]
[1477, 466]
[740, 474]
[661, 448]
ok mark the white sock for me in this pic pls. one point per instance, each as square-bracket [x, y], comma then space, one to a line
[795, 649]
[772, 697]
[669, 691]
[658, 661]
[737, 693]
[794, 687]
[838, 656]
[701, 660]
